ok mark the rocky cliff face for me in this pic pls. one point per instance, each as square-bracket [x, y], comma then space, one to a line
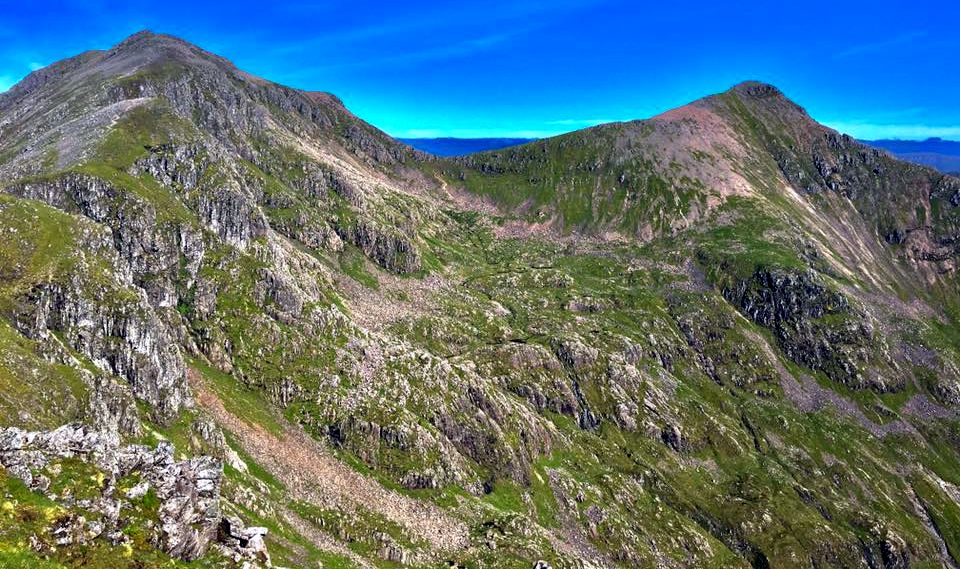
[121, 336]
[896, 199]
[815, 326]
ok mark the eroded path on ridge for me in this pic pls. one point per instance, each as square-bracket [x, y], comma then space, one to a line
[312, 473]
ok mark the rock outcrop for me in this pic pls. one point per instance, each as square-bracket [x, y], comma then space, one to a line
[150, 249]
[242, 543]
[386, 248]
[117, 330]
[187, 492]
[815, 325]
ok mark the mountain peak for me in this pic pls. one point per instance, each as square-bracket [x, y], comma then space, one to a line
[765, 98]
[149, 46]
[172, 81]
[757, 90]
[147, 39]
[754, 94]
[147, 35]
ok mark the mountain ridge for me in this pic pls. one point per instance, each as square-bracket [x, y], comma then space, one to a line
[723, 336]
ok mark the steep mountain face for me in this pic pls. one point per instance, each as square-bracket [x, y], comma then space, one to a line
[724, 336]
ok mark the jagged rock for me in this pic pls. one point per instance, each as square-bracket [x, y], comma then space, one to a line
[216, 442]
[794, 305]
[388, 249]
[317, 235]
[390, 549]
[232, 215]
[188, 491]
[207, 430]
[243, 543]
[68, 530]
[345, 189]
[179, 165]
[151, 253]
[138, 491]
[111, 407]
[189, 509]
[279, 294]
[672, 436]
[122, 336]
[894, 552]
[575, 354]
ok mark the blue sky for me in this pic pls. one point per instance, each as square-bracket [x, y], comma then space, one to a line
[529, 68]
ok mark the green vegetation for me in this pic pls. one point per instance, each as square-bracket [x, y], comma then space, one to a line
[575, 179]
[353, 264]
[141, 128]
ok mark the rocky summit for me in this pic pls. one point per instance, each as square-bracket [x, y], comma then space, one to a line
[240, 327]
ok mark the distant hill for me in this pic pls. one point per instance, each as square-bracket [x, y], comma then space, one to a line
[943, 155]
[462, 146]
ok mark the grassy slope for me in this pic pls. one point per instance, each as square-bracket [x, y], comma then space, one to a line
[576, 178]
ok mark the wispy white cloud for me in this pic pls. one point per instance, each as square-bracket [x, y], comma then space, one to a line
[34, 65]
[868, 48]
[870, 131]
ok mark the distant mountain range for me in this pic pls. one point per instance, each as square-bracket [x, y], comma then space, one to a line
[943, 155]
[462, 146]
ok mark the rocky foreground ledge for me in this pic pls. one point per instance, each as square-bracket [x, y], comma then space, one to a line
[118, 481]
